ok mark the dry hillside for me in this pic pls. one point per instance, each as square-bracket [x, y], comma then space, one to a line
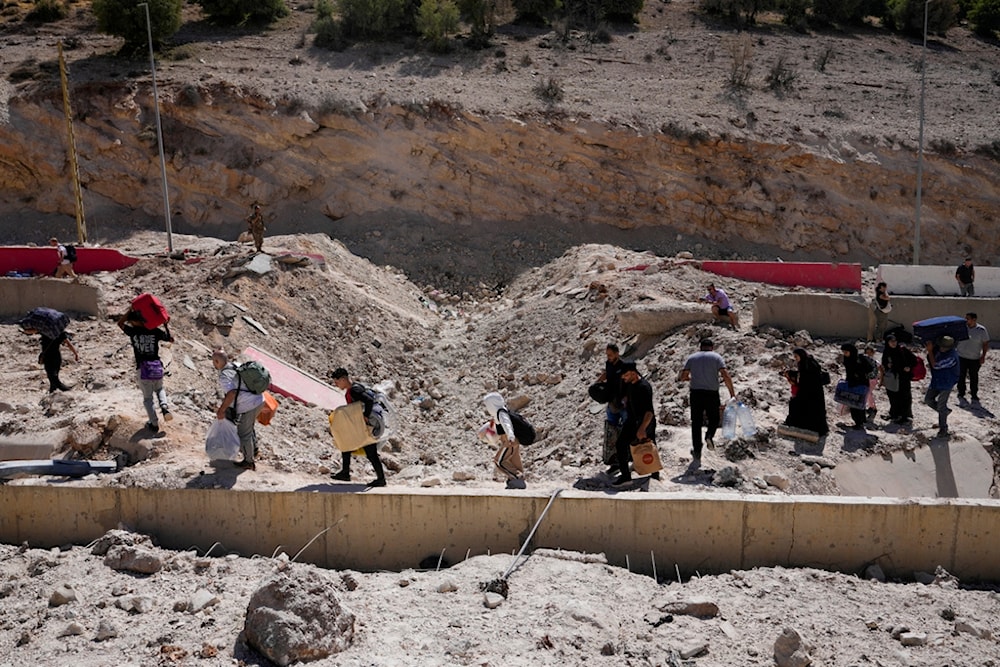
[473, 239]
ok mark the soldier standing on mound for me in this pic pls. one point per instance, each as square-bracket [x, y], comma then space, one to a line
[255, 223]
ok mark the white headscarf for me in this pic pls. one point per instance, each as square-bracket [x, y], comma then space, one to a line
[494, 403]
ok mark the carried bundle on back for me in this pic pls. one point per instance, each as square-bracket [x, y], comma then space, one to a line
[70, 253]
[150, 310]
[46, 321]
[254, 376]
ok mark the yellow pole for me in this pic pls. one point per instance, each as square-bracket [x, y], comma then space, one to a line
[81, 222]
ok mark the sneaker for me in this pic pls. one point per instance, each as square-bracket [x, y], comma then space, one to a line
[943, 433]
[342, 476]
[871, 413]
[622, 479]
[516, 484]
[246, 465]
[376, 482]
[709, 443]
[155, 428]
[167, 416]
[655, 475]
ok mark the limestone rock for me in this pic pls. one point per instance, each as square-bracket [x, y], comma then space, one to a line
[133, 559]
[789, 650]
[295, 617]
[63, 594]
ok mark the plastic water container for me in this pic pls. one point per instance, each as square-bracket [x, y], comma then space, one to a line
[744, 415]
[729, 419]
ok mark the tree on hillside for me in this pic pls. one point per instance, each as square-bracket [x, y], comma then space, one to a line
[127, 19]
[376, 19]
[908, 15]
[984, 15]
[242, 12]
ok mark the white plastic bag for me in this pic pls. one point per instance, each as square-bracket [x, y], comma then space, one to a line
[222, 442]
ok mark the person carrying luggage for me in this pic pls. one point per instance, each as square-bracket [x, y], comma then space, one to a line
[149, 368]
[50, 325]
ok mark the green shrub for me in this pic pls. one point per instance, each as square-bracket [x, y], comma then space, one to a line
[782, 76]
[377, 19]
[242, 12]
[481, 17]
[622, 11]
[125, 19]
[908, 16]
[549, 91]
[46, 11]
[794, 13]
[984, 15]
[437, 20]
[329, 34]
[737, 11]
[741, 51]
[324, 9]
[536, 11]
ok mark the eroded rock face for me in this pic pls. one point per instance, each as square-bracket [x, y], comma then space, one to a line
[296, 617]
[467, 173]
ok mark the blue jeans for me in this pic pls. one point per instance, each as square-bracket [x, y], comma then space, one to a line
[151, 388]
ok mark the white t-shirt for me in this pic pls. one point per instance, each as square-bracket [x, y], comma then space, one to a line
[246, 400]
[973, 347]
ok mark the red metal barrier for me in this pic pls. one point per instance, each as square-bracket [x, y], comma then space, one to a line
[292, 382]
[806, 274]
[43, 261]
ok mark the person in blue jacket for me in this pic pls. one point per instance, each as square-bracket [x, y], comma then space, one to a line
[942, 359]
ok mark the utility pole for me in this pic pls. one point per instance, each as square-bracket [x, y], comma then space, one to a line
[920, 141]
[74, 166]
[159, 131]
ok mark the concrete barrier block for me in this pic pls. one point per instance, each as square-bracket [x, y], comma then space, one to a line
[912, 280]
[819, 314]
[659, 317]
[31, 446]
[19, 295]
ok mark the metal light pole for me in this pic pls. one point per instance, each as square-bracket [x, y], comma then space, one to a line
[159, 131]
[920, 140]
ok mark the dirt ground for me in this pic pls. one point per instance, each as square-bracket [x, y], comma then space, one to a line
[539, 341]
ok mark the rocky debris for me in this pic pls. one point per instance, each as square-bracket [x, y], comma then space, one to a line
[778, 481]
[118, 537]
[790, 651]
[295, 617]
[821, 461]
[492, 600]
[133, 559]
[875, 573]
[728, 476]
[201, 599]
[698, 608]
[63, 594]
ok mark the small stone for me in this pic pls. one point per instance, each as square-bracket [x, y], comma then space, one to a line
[73, 629]
[492, 600]
[105, 630]
[875, 572]
[692, 648]
[913, 638]
[447, 586]
[62, 595]
[201, 599]
[430, 481]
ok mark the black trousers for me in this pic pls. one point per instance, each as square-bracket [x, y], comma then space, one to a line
[52, 362]
[969, 368]
[705, 414]
[371, 451]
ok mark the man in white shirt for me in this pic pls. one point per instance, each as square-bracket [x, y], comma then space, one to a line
[244, 402]
[971, 356]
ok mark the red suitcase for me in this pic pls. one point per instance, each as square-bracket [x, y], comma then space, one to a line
[151, 310]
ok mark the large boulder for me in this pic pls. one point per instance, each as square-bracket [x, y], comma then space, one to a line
[295, 617]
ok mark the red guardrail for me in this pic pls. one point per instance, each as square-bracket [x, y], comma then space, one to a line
[43, 261]
[821, 275]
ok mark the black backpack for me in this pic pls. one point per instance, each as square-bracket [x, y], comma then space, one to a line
[524, 432]
[70, 253]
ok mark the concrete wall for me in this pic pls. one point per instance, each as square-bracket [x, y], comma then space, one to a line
[19, 295]
[847, 317]
[700, 532]
[659, 317]
[906, 279]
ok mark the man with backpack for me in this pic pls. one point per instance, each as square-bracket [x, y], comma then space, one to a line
[149, 368]
[502, 432]
[50, 325]
[240, 405]
[355, 392]
[67, 256]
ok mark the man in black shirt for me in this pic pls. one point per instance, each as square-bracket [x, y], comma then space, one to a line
[355, 391]
[965, 276]
[640, 424]
[149, 368]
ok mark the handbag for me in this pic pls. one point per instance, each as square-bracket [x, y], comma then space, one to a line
[151, 370]
[852, 397]
[645, 458]
[890, 381]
